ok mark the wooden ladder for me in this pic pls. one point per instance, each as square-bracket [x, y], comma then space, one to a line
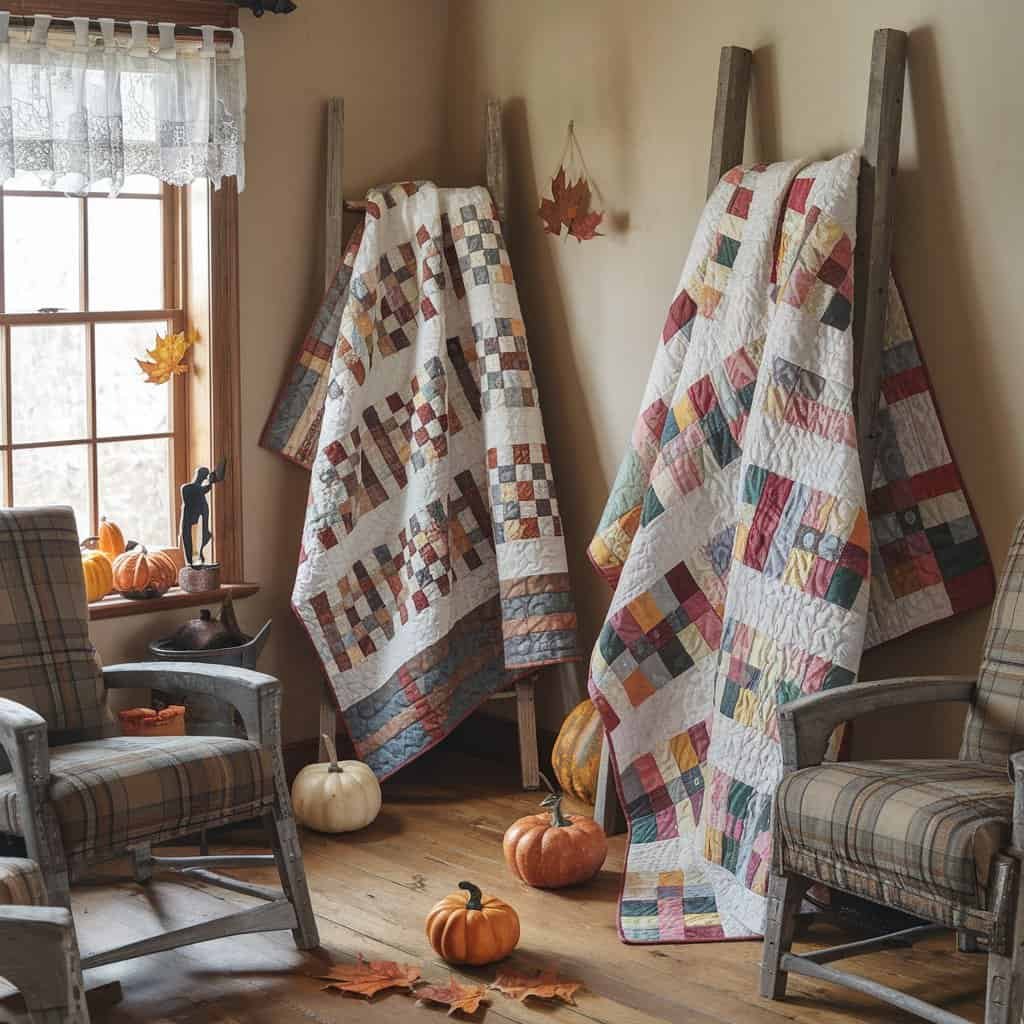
[522, 691]
[875, 211]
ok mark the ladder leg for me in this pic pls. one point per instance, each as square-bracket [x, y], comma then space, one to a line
[328, 725]
[607, 810]
[526, 714]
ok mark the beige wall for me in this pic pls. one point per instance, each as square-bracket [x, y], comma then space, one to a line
[385, 59]
[639, 80]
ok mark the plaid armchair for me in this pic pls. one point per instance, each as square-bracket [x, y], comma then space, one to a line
[940, 839]
[79, 795]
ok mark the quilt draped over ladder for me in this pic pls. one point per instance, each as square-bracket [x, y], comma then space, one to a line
[748, 566]
[433, 569]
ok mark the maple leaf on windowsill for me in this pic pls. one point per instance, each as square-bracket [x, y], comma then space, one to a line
[466, 998]
[368, 977]
[167, 355]
[546, 985]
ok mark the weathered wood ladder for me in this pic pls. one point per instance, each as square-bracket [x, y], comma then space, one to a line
[522, 692]
[875, 210]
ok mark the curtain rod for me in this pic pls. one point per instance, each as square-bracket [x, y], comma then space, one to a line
[26, 21]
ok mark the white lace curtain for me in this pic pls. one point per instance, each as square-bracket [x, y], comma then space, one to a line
[81, 111]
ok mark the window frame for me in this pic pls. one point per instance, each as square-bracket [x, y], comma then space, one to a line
[205, 228]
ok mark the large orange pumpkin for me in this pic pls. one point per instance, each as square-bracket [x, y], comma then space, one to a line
[549, 851]
[577, 754]
[110, 540]
[98, 573]
[471, 928]
[140, 573]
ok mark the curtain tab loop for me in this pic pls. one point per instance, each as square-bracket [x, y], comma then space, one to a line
[107, 31]
[237, 43]
[166, 29]
[207, 49]
[40, 29]
[140, 44]
[81, 33]
[5, 27]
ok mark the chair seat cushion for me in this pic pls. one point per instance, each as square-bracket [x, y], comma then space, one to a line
[932, 827]
[21, 884]
[112, 794]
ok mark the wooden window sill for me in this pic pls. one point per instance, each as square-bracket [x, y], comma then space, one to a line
[115, 606]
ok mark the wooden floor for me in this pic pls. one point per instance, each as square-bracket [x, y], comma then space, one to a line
[442, 822]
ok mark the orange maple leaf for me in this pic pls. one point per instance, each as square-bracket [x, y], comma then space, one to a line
[368, 977]
[546, 985]
[167, 355]
[466, 998]
[569, 207]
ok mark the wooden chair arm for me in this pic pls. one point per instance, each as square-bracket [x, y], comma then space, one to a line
[255, 695]
[805, 724]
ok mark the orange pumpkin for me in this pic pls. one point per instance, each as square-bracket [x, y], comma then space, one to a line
[552, 851]
[98, 573]
[140, 573]
[110, 540]
[577, 754]
[472, 928]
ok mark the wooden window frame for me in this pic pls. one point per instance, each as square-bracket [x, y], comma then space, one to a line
[206, 220]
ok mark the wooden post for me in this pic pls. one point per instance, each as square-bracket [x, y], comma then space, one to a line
[875, 219]
[494, 152]
[730, 124]
[334, 205]
[727, 138]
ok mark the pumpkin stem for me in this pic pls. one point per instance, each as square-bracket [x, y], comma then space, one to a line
[475, 896]
[554, 802]
[332, 753]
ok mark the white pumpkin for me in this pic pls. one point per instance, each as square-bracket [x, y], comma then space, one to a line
[339, 796]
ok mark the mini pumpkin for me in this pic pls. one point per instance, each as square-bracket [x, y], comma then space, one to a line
[471, 928]
[98, 573]
[550, 851]
[140, 573]
[337, 796]
[110, 539]
[577, 753]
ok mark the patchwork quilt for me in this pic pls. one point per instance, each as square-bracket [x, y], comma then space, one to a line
[433, 568]
[748, 564]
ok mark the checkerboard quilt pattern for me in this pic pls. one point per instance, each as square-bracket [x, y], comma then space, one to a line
[522, 486]
[421, 594]
[742, 548]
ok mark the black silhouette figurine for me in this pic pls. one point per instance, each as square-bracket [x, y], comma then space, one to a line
[196, 509]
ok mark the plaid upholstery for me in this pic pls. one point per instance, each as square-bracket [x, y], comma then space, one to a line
[115, 793]
[46, 659]
[928, 829]
[21, 884]
[995, 724]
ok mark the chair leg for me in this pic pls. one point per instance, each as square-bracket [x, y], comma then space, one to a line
[284, 836]
[526, 714]
[784, 895]
[44, 846]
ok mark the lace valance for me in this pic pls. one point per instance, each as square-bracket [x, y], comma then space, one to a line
[82, 110]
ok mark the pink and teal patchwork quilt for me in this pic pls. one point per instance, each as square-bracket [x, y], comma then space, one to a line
[748, 563]
[433, 568]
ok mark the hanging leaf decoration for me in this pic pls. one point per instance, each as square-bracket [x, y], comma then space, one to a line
[570, 202]
[546, 985]
[166, 358]
[466, 998]
[368, 977]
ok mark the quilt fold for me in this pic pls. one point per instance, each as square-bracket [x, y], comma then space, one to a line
[748, 564]
[433, 568]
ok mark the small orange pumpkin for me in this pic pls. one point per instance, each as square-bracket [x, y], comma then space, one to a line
[552, 851]
[140, 574]
[98, 573]
[577, 753]
[472, 929]
[110, 539]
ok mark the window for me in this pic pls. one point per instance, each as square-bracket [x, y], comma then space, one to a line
[85, 286]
